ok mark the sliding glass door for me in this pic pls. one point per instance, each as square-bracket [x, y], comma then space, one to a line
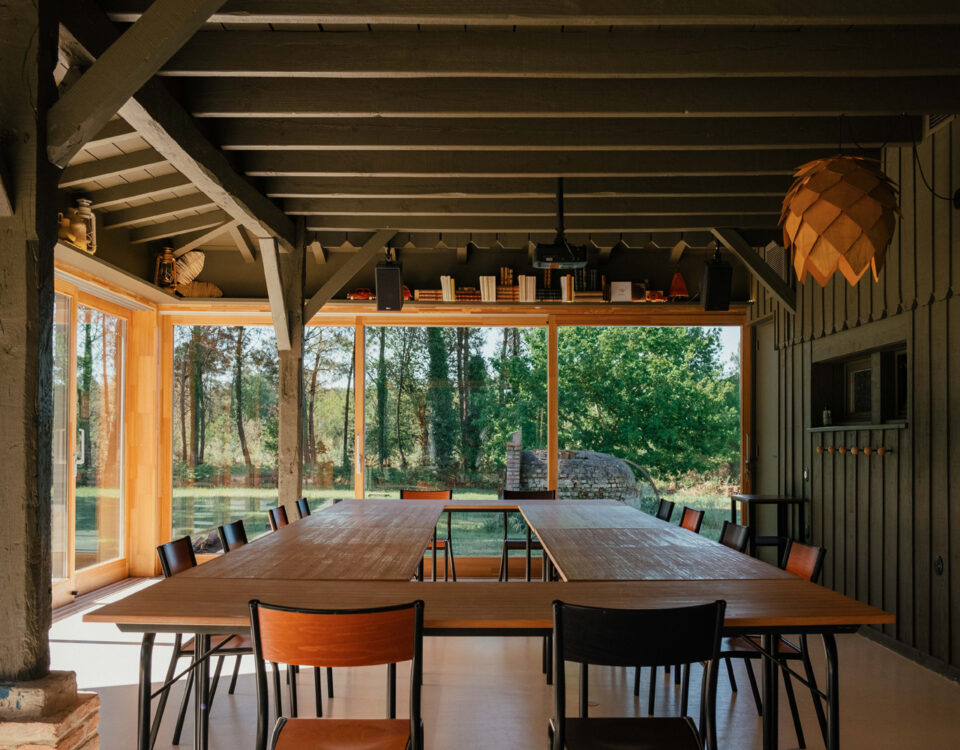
[87, 508]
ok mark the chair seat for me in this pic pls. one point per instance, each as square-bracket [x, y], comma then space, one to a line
[343, 734]
[239, 642]
[740, 646]
[659, 733]
[514, 543]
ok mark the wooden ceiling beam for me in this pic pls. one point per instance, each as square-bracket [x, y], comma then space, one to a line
[119, 71]
[601, 13]
[278, 306]
[574, 134]
[347, 271]
[128, 191]
[169, 129]
[113, 166]
[173, 227]
[518, 97]
[573, 206]
[151, 211]
[184, 243]
[733, 241]
[525, 187]
[239, 236]
[523, 164]
[607, 224]
[710, 53]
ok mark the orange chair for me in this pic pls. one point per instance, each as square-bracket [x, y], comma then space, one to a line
[805, 562]
[444, 544]
[277, 517]
[176, 557]
[342, 638]
[691, 520]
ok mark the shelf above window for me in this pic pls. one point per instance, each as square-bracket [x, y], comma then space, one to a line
[859, 427]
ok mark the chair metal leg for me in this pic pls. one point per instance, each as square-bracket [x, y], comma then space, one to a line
[329, 682]
[792, 700]
[453, 560]
[145, 734]
[213, 684]
[162, 703]
[812, 679]
[236, 674]
[685, 690]
[292, 687]
[549, 640]
[276, 690]
[184, 702]
[446, 561]
[651, 698]
[733, 680]
[753, 686]
[636, 681]
[318, 699]
[676, 674]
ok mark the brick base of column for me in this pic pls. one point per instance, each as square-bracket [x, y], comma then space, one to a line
[48, 713]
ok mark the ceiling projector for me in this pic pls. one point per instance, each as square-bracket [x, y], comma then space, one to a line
[559, 254]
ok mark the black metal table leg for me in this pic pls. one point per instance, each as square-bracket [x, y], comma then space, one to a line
[833, 691]
[434, 575]
[529, 543]
[771, 703]
[201, 727]
[782, 510]
[143, 699]
[752, 523]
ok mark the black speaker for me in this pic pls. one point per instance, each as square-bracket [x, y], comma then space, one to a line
[715, 289]
[389, 287]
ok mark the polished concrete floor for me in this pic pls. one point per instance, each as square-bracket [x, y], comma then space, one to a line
[488, 693]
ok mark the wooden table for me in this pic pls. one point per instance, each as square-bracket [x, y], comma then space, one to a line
[783, 505]
[213, 598]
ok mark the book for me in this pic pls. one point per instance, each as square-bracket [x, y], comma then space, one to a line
[488, 288]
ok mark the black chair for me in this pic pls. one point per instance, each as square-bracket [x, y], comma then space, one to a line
[525, 545]
[277, 517]
[176, 557]
[628, 637]
[303, 507]
[446, 544]
[734, 536]
[806, 562]
[232, 535]
[665, 510]
[339, 638]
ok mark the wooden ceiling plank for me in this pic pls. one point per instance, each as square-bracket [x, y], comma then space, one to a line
[523, 164]
[173, 227]
[119, 71]
[129, 191]
[161, 209]
[169, 129]
[400, 223]
[526, 187]
[574, 134]
[278, 307]
[519, 97]
[115, 131]
[563, 12]
[114, 166]
[711, 53]
[184, 243]
[599, 205]
[733, 241]
[347, 271]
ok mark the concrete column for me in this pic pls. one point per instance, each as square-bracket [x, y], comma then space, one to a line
[290, 442]
[27, 58]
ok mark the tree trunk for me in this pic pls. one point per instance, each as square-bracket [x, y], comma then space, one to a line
[382, 400]
[346, 417]
[194, 365]
[404, 357]
[238, 399]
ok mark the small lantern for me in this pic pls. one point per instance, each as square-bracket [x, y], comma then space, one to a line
[678, 288]
[840, 213]
[166, 273]
[85, 214]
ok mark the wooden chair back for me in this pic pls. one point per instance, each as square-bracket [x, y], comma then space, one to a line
[303, 507]
[734, 536]
[691, 520]
[277, 517]
[665, 510]
[426, 494]
[339, 638]
[232, 535]
[640, 638]
[528, 494]
[803, 560]
[176, 556]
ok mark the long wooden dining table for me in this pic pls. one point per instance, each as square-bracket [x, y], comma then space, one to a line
[364, 553]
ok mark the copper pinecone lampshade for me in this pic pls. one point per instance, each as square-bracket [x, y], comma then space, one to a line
[839, 214]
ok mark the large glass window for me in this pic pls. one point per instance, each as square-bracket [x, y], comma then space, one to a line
[642, 404]
[98, 535]
[62, 470]
[224, 430]
[441, 405]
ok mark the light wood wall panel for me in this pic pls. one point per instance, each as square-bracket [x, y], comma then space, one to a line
[885, 521]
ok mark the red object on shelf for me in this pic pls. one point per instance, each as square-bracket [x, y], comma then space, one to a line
[678, 288]
[406, 292]
[361, 293]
